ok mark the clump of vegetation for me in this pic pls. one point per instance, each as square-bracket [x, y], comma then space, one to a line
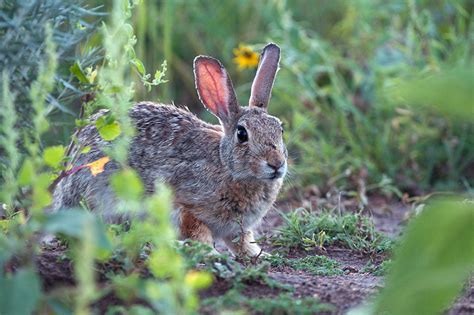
[239, 274]
[280, 304]
[345, 128]
[315, 264]
[22, 34]
[308, 230]
[429, 283]
[165, 286]
[378, 269]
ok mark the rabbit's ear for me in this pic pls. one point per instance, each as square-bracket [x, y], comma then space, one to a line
[215, 89]
[263, 82]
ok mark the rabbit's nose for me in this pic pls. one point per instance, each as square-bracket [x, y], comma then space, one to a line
[275, 165]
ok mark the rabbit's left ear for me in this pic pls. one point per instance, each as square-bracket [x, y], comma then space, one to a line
[263, 82]
[215, 89]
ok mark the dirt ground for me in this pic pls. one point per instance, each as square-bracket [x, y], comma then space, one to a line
[342, 291]
[356, 286]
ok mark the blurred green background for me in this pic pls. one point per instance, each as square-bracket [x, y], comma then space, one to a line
[352, 79]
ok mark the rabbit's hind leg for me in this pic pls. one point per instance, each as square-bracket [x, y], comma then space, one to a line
[192, 228]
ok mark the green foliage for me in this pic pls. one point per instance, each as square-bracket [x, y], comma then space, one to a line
[200, 256]
[84, 268]
[308, 230]
[72, 224]
[22, 35]
[19, 293]
[77, 71]
[108, 128]
[26, 173]
[316, 265]
[447, 91]
[29, 174]
[127, 184]
[378, 270]
[168, 289]
[347, 70]
[281, 304]
[8, 139]
[52, 156]
[441, 239]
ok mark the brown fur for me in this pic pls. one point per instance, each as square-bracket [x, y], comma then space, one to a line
[192, 228]
[223, 186]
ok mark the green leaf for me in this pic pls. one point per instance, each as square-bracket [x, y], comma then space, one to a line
[71, 222]
[198, 279]
[127, 184]
[448, 91]
[41, 195]
[108, 130]
[78, 72]
[25, 176]
[85, 150]
[19, 293]
[52, 156]
[139, 65]
[433, 262]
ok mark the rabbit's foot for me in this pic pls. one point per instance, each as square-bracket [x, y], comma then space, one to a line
[244, 245]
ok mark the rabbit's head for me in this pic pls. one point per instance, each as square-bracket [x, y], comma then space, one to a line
[252, 146]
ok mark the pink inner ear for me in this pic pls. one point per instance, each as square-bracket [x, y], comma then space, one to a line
[212, 87]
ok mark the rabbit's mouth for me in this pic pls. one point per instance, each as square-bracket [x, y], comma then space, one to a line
[272, 173]
[277, 175]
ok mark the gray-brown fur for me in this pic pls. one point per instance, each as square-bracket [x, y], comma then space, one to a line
[222, 186]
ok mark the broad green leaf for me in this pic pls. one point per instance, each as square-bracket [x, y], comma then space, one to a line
[41, 195]
[127, 184]
[71, 222]
[433, 262]
[449, 92]
[78, 73]
[19, 293]
[52, 156]
[108, 130]
[25, 176]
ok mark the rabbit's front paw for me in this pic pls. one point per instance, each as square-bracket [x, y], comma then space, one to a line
[244, 245]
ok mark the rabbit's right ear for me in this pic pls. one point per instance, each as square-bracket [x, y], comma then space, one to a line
[215, 89]
[263, 83]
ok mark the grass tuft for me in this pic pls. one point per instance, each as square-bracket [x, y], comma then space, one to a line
[281, 304]
[316, 265]
[307, 230]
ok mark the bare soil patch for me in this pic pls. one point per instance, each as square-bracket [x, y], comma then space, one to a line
[343, 291]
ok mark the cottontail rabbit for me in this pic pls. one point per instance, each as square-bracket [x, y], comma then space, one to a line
[225, 178]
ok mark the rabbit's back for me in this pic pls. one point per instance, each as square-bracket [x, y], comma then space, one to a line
[171, 144]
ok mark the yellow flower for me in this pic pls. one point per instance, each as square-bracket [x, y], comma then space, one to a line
[245, 57]
[97, 167]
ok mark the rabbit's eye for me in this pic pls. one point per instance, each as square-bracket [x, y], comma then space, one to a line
[242, 134]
